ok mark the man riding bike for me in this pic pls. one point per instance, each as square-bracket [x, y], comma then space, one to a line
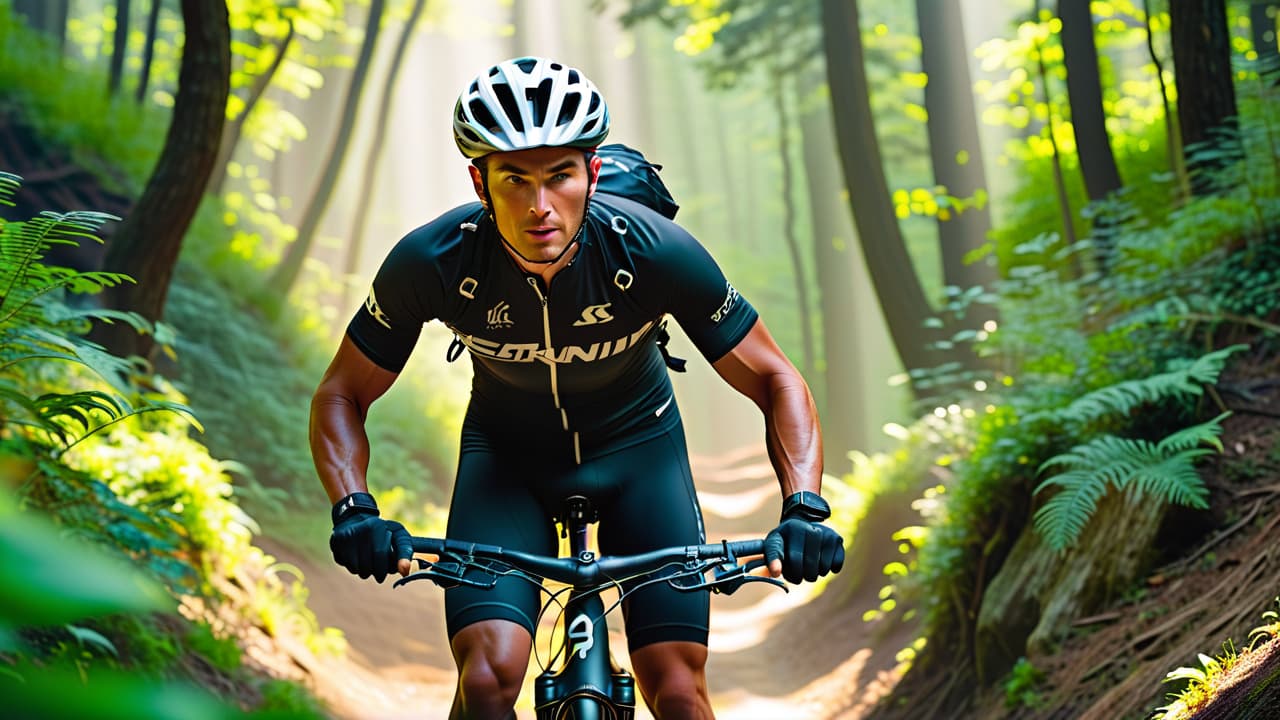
[560, 294]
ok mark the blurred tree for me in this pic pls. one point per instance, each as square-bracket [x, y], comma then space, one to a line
[1262, 26]
[149, 49]
[286, 273]
[368, 176]
[902, 298]
[954, 146]
[1088, 117]
[1206, 95]
[49, 16]
[119, 46]
[146, 244]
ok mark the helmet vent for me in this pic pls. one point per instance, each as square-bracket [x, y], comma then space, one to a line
[539, 98]
[527, 64]
[595, 102]
[573, 77]
[483, 116]
[568, 108]
[509, 107]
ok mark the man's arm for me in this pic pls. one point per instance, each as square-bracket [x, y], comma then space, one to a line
[339, 445]
[757, 368]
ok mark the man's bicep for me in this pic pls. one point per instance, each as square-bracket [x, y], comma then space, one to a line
[353, 374]
[753, 365]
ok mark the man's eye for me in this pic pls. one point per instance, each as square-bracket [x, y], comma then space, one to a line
[515, 180]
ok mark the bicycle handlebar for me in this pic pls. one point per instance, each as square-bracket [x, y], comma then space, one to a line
[590, 571]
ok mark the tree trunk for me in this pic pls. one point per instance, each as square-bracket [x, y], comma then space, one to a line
[1088, 119]
[1173, 138]
[844, 425]
[1262, 24]
[119, 47]
[902, 298]
[789, 224]
[232, 131]
[1206, 96]
[148, 241]
[369, 177]
[1059, 180]
[148, 53]
[287, 272]
[47, 16]
[1037, 592]
[954, 146]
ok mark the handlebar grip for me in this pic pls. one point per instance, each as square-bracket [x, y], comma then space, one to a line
[429, 546]
[737, 548]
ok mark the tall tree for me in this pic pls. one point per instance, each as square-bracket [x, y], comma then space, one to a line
[290, 266]
[149, 49]
[954, 146]
[147, 243]
[1262, 26]
[369, 177]
[48, 16]
[233, 130]
[798, 273]
[1206, 95]
[841, 401]
[1088, 117]
[902, 298]
[119, 46]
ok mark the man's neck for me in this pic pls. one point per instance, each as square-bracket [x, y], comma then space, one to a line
[546, 272]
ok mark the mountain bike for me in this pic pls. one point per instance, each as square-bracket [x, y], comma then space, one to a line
[588, 684]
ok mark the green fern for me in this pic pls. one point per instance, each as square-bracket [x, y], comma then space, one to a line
[1125, 397]
[36, 327]
[1164, 470]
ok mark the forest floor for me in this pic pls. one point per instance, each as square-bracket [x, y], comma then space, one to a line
[802, 654]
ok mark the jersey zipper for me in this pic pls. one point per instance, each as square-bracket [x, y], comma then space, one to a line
[551, 364]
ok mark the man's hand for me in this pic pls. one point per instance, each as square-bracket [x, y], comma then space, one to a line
[367, 545]
[803, 550]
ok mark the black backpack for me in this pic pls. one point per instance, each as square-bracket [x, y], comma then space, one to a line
[625, 172]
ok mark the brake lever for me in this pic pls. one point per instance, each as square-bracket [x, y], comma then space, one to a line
[447, 575]
[728, 578]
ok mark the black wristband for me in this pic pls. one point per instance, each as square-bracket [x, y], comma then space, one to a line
[807, 506]
[360, 502]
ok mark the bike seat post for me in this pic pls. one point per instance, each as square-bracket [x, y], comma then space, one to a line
[576, 516]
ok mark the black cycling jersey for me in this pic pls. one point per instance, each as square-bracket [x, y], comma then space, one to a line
[575, 365]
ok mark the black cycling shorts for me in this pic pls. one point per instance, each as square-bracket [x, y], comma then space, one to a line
[644, 494]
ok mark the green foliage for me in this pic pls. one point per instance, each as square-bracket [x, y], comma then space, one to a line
[1021, 686]
[1163, 471]
[221, 651]
[37, 327]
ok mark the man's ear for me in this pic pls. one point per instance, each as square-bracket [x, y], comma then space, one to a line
[477, 182]
[595, 165]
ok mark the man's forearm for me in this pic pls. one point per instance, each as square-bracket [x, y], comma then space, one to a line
[793, 437]
[339, 445]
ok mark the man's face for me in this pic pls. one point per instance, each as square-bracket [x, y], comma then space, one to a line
[539, 197]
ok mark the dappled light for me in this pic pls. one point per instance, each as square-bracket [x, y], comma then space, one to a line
[260, 319]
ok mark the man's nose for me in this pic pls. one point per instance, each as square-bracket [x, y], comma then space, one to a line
[540, 203]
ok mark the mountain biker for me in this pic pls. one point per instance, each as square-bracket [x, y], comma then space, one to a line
[559, 294]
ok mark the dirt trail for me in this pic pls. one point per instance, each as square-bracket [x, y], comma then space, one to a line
[773, 654]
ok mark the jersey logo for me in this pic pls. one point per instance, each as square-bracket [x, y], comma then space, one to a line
[594, 315]
[730, 298]
[371, 304]
[499, 315]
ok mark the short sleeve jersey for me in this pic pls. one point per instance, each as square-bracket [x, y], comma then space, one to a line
[574, 363]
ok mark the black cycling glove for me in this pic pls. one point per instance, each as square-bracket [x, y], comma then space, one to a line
[364, 543]
[807, 548]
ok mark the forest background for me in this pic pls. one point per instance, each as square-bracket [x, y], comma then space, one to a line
[1024, 255]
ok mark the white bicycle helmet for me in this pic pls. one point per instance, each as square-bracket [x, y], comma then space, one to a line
[529, 102]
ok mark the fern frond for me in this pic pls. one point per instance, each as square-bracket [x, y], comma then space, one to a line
[1161, 472]
[1125, 397]
[9, 184]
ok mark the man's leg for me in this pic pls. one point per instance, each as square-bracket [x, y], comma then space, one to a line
[655, 506]
[492, 656]
[673, 679]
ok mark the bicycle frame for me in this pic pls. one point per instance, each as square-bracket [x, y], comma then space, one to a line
[588, 684]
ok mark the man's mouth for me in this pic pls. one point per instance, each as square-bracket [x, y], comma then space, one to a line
[541, 233]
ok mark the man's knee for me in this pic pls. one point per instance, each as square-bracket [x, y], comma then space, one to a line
[492, 657]
[673, 680]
